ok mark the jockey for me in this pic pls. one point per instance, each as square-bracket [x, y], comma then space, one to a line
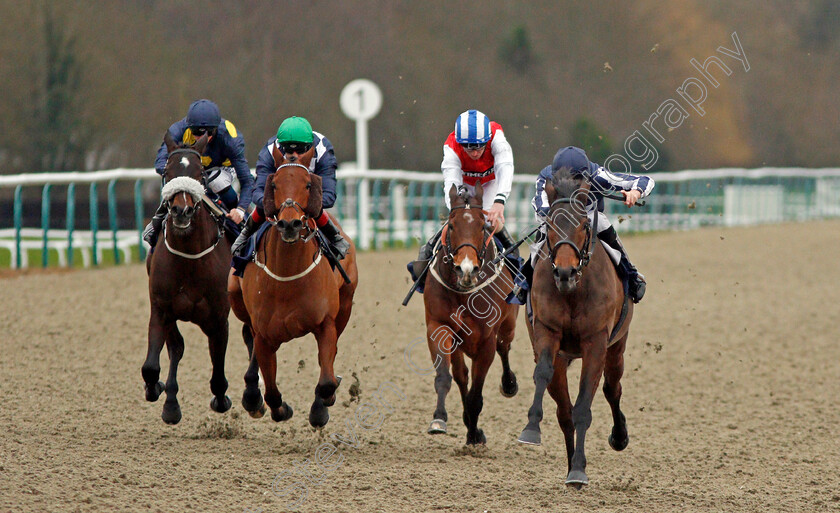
[294, 139]
[225, 149]
[477, 151]
[601, 180]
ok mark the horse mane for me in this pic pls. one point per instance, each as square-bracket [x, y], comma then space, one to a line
[183, 184]
[566, 182]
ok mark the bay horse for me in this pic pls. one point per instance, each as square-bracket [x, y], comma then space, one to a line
[466, 312]
[289, 290]
[187, 280]
[579, 311]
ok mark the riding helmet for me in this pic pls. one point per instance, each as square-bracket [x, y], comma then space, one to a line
[203, 114]
[295, 129]
[472, 127]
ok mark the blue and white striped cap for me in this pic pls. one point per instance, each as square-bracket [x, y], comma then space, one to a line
[472, 127]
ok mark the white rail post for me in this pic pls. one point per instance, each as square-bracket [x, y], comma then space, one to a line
[361, 100]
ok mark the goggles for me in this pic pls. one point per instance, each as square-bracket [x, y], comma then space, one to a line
[295, 147]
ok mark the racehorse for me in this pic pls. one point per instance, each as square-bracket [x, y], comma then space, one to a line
[466, 312]
[579, 311]
[187, 280]
[289, 290]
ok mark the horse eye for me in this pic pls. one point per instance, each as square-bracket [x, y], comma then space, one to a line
[308, 186]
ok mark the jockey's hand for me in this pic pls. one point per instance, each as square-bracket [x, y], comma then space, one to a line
[631, 197]
[236, 215]
[496, 216]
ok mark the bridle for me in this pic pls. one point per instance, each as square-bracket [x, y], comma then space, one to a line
[195, 208]
[449, 253]
[307, 221]
[583, 258]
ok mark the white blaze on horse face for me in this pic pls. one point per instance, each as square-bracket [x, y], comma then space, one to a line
[468, 216]
[185, 162]
[467, 265]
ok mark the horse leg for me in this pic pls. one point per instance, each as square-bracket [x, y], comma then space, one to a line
[443, 379]
[217, 337]
[594, 353]
[545, 347]
[175, 347]
[267, 359]
[327, 383]
[252, 400]
[509, 386]
[613, 370]
[151, 367]
[559, 391]
[474, 400]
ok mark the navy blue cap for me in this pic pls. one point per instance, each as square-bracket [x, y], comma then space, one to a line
[203, 114]
[571, 157]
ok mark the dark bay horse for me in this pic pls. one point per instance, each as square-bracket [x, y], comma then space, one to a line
[187, 280]
[290, 290]
[579, 311]
[466, 312]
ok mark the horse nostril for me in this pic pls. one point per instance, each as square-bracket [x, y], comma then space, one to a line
[297, 224]
[189, 211]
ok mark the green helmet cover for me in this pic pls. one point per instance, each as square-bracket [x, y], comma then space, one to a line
[295, 129]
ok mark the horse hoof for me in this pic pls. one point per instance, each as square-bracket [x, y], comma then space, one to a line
[437, 427]
[530, 437]
[619, 445]
[152, 394]
[258, 413]
[511, 390]
[171, 413]
[284, 412]
[253, 402]
[577, 479]
[318, 415]
[220, 406]
[478, 439]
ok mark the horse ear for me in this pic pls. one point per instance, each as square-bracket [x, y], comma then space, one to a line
[278, 157]
[201, 143]
[306, 158]
[453, 195]
[479, 193]
[170, 142]
[269, 207]
[550, 191]
[315, 203]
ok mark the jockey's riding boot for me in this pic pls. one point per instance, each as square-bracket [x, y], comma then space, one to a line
[150, 233]
[249, 229]
[635, 280]
[423, 257]
[338, 243]
[523, 285]
[507, 241]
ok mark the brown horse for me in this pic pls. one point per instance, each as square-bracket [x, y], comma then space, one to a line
[290, 290]
[466, 313]
[187, 277]
[579, 311]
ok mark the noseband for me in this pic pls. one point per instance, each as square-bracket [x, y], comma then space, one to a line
[583, 258]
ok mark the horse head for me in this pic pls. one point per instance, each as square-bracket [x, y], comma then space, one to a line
[569, 230]
[183, 173]
[293, 195]
[466, 238]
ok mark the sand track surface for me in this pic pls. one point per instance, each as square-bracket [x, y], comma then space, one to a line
[730, 392]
